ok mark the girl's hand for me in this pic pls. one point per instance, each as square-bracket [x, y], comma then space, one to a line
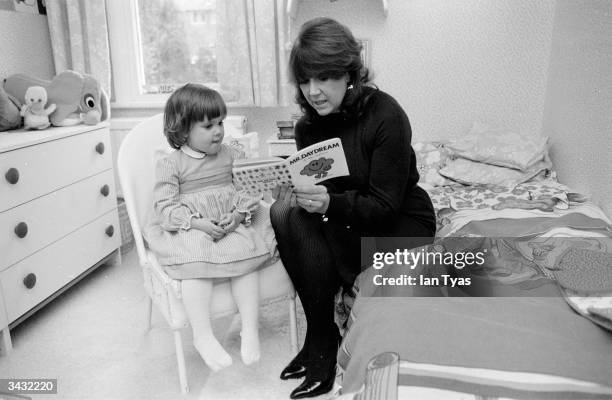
[209, 226]
[313, 199]
[284, 194]
[253, 204]
[230, 221]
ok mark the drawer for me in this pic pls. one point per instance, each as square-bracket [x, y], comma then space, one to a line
[50, 217]
[56, 265]
[33, 171]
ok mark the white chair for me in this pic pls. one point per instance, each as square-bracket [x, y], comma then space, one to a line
[136, 168]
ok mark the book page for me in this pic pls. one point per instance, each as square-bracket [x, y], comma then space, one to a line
[309, 166]
[317, 163]
[260, 175]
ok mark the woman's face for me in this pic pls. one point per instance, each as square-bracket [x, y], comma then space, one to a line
[325, 95]
[206, 136]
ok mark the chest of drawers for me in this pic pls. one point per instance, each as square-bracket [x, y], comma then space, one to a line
[58, 215]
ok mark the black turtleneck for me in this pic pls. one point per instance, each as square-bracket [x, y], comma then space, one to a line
[381, 194]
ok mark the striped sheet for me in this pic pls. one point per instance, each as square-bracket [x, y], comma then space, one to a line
[497, 384]
[387, 377]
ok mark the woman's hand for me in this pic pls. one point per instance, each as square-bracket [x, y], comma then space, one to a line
[313, 199]
[230, 221]
[208, 226]
[284, 194]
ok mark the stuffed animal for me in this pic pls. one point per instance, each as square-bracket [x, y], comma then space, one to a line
[9, 112]
[78, 97]
[34, 113]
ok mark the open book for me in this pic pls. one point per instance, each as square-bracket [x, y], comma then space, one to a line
[309, 166]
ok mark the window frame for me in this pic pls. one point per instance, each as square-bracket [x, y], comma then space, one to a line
[126, 58]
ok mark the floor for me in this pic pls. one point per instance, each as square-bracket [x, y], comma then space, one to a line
[92, 340]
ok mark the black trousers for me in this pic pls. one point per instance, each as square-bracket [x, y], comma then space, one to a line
[320, 257]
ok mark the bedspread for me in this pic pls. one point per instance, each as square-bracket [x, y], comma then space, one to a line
[545, 271]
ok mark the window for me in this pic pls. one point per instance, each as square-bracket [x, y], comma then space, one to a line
[234, 46]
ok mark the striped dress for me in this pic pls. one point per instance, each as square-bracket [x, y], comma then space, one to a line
[191, 184]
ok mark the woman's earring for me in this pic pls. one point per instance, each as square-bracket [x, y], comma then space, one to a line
[350, 87]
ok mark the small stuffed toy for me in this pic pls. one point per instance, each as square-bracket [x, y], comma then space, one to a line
[9, 112]
[34, 113]
[78, 97]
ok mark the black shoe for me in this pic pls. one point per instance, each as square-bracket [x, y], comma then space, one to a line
[313, 387]
[297, 367]
[294, 370]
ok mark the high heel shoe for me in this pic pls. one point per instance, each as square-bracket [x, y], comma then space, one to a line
[312, 387]
[296, 368]
[293, 371]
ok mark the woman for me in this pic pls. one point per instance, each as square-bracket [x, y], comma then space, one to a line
[319, 228]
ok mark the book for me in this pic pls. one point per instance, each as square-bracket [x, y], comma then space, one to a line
[309, 166]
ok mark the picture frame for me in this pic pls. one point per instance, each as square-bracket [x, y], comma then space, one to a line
[24, 6]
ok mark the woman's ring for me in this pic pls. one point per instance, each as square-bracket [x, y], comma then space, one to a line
[309, 201]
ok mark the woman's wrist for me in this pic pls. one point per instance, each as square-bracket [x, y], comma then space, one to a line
[325, 205]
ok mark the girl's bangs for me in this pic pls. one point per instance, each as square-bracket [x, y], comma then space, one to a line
[212, 106]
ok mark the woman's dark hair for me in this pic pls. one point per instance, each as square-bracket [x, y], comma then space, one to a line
[187, 105]
[323, 49]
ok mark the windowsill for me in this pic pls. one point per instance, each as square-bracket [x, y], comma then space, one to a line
[147, 105]
[161, 105]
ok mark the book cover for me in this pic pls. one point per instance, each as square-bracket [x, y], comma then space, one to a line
[309, 166]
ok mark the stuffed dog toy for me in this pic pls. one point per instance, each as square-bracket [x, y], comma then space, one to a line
[78, 97]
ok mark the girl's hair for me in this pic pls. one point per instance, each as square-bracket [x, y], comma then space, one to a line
[323, 49]
[187, 105]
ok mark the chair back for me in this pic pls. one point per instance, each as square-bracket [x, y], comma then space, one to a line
[136, 169]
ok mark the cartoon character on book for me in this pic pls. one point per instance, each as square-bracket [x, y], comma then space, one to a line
[318, 167]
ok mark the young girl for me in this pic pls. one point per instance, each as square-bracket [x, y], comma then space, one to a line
[203, 227]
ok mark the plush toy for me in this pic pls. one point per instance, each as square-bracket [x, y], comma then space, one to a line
[34, 113]
[78, 97]
[9, 112]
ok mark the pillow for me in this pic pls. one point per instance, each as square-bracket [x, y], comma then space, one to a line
[500, 147]
[470, 172]
[431, 156]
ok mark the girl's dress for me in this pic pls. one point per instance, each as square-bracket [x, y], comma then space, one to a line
[191, 184]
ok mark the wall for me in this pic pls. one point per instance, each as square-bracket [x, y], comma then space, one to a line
[450, 63]
[25, 45]
[578, 115]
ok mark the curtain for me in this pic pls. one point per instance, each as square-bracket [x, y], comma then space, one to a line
[252, 44]
[79, 38]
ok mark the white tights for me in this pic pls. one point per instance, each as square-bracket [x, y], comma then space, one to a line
[197, 294]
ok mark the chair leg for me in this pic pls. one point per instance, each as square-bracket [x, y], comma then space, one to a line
[6, 345]
[148, 312]
[180, 358]
[293, 325]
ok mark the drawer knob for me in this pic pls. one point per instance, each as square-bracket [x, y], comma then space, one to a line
[100, 148]
[21, 230]
[105, 190]
[12, 175]
[30, 280]
[110, 231]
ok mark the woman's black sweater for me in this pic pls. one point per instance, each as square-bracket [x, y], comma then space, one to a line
[381, 196]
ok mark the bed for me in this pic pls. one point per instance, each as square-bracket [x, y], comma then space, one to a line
[535, 320]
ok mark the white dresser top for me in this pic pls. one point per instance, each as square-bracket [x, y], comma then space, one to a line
[15, 139]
